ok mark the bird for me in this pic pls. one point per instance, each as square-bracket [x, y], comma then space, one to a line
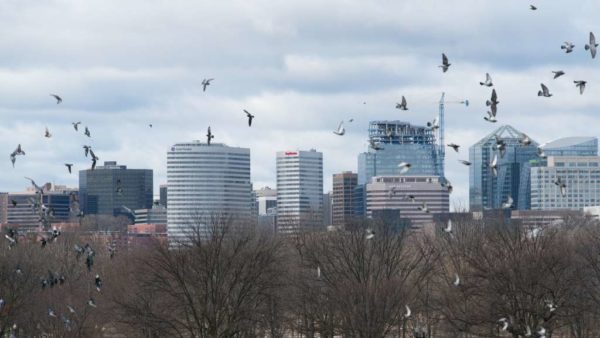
[51, 312]
[404, 167]
[410, 198]
[567, 46]
[504, 322]
[488, 81]
[423, 207]
[501, 147]
[493, 101]
[13, 159]
[250, 117]
[370, 234]
[541, 332]
[532, 7]
[528, 331]
[433, 124]
[591, 46]
[494, 165]
[71, 309]
[581, 85]
[206, 83]
[47, 133]
[562, 185]
[76, 125]
[446, 184]
[86, 132]
[453, 146]
[445, 65]
[91, 302]
[318, 272]
[558, 73]
[98, 282]
[350, 120]
[69, 166]
[38, 189]
[448, 228]
[456, 280]
[209, 136]
[402, 104]
[375, 145]
[490, 118]
[540, 152]
[14, 203]
[550, 306]
[150, 125]
[19, 150]
[467, 163]
[525, 140]
[58, 98]
[94, 159]
[340, 129]
[544, 92]
[508, 204]
[408, 312]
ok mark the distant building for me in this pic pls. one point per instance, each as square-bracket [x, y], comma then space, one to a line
[405, 194]
[299, 190]
[529, 219]
[163, 195]
[108, 188]
[343, 204]
[206, 181]
[489, 191]
[572, 146]
[327, 209]
[266, 199]
[156, 215]
[145, 234]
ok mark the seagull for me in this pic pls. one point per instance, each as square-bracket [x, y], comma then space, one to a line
[488, 81]
[532, 7]
[370, 234]
[340, 129]
[525, 140]
[205, 83]
[402, 105]
[98, 282]
[456, 280]
[58, 99]
[544, 92]
[467, 163]
[374, 145]
[591, 46]
[504, 322]
[493, 101]
[494, 165]
[445, 65]
[562, 185]
[408, 312]
[76, 125]
[433, 124]
[508, 204]
[581, 85]
[209, 136]
[558, 73]
[423, 207]
[47, 133]
[250, 117]
[567, 46]
[86, 132]
[448, 228]
[405, 167]
[453, 146]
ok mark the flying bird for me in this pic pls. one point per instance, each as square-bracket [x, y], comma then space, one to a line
[467, 163]
[91, 302]
[408, 312]
[69, 166]
[453, 146]
[38, 189]
[525, 140]
[86, 132]
[47, 133]
[51, 312]
[456, 280]
[504, 322]
[532, 7]
[448, 228]
[581, 85]
[491, 117]
[404, 167]
[488, 81]
[76, 125]
[318, 272]
[370, 234]
[58, 98]
[87, 150]
[433, 124]
[445, 65]
[558, 73]
[375, 145]
[591, 46]
[402, 104]
[250, 117]
[493, 101]
[150, 125]
[94, 159]
[98, 282]
[494, 165]
[209, 136]
[206, 83]
[508, 204]
[562, 185]
[14, 203]
[567, 46]
[544, 92]
[423, 207]
[340, 129]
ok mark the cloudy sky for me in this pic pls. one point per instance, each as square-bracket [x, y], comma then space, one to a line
[299, 66]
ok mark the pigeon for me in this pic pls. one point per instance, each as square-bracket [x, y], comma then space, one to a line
[206, 83]
[445, 65]
[493, 101]
[488, 81]
[433, 124]
[13, 159]
[47, 133]
[58, 98]
[91, 302]
[591, 46]
[98, 282]
[456, 280]
[19, 150]
[562, 185]
[528, 331]
[501, 147]
[318, 272]
[446, 184]
[540, 152]
[350, 120]
[448, 228]
[567, 46]
[558, 73]
[581, 85]
[340, 129]
[370, 234]
[544, 92]
[71, 309]
[494, 165]
[402, 105]
[410, 198]
[250, 117]
[51, 312]
[525, 140]
[551, 306]
[490, 118]
[423, 207]
[76, 125]
[542, 332]
[209, 136]
[87, 150]
[94, 159]
[69, 166]
[404, 167]
[453, 146]
[14, 203]
[408, 312]
[508, 204]
[467, 163]
[504, 322]
[375, 145]
[532, 7]
[86, 132]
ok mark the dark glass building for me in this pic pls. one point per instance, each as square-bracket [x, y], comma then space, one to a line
[108, 188]
[163, 195]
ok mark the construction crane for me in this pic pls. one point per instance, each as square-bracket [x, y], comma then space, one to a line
[440, 136]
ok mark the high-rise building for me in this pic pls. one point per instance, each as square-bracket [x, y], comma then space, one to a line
[206, 182]
[107, 189]
[156, 215]
[489, 191]
[581, 174]
[163, 195]
[299, 190]
[399, 142]
[343, 205]
[327, 209]
[572, 146]
[403, 195]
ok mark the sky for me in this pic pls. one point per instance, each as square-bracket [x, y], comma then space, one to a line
[300, 66]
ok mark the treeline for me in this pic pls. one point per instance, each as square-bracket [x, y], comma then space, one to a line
[484, 278]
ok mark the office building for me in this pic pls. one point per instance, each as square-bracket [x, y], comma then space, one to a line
[206, 182]
[108, 188]
[156, 215]
[343, 204]
[299, 190]
[163, 195]
[572, 146]
[327, 209]
[489, 191]
[266, 200]
[404, 195]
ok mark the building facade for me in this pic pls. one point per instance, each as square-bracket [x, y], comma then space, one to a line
[162, 199]
[572, 146]
[343, 204]
[489, 191]
[299, 190]
[266, 201]
[206, 182]
[156, 215]
[108, 188]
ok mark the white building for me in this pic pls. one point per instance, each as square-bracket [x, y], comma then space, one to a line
[156, 215]
[299, 190]
[206, 182]
[266, 201]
